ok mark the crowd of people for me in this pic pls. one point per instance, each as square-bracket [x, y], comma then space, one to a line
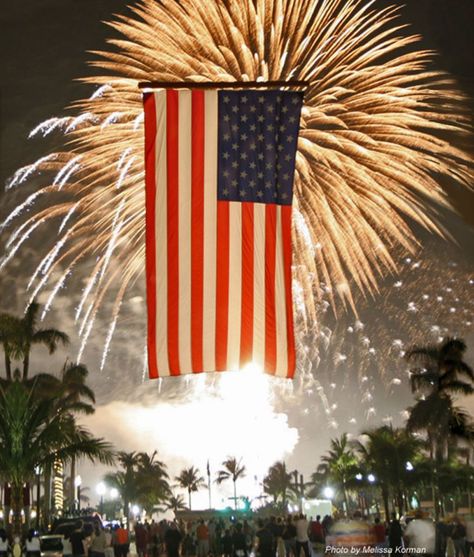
[292, 536]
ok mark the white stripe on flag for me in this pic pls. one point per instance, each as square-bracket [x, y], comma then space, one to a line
[280, 303]
[259, 286]
[185, 230]
[160, 236]
[210, 223]
[235, 285]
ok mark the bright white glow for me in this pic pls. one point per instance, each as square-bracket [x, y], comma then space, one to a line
[33, 514]
[101, 489]
[135, 510]
[328, 492]
[77, 480]
[358, 476]
[371, 478]
[409, 466]
[114, 493]
[236, 408]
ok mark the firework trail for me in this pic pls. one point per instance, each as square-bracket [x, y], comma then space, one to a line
[378, 127]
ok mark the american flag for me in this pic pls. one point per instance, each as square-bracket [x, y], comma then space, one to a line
[219, 182]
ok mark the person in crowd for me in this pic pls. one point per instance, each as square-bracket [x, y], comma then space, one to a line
[395, 534]
[443, 532]
[302, 537]
[265, 539]
[239, 542]
[289, 537]
[122, 542]
[420, 534]
[327, 522]
[202, 534]
[226, 543]
[316, 530]
[141, 539]
[469, 535]
[172, 540]
[32, 544]
[380, 532]
[77, 538]
[4, 547]
[98, 542]
[458, 535]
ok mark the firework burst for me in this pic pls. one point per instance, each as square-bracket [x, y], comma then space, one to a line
[377, 130]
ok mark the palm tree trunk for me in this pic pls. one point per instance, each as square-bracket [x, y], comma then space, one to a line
[189, 498]
[8, 365]
[72, 487]
[16, 507]
[385, 503]
[235, 494]
[47, 496]
[26, 363]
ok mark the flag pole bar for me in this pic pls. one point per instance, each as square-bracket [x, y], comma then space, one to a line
[220, 84]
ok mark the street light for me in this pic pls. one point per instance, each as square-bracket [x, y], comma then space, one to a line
[409, 466]
[101, 491]
[371, 478]
[77, 484]
[328, 492]
[114, 493]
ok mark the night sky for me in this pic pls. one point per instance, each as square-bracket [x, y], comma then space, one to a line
[44, 48]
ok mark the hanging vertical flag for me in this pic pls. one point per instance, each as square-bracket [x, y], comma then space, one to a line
[219, 186]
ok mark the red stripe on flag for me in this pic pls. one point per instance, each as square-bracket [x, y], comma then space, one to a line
[286, 240]
[270, 312]
[222, 284]
[246, 321]
[150, 194]
[172, 146]
[197, 228]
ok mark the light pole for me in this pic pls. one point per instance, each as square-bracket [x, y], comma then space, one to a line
[101, 491]
[38, 488]
[77, 484]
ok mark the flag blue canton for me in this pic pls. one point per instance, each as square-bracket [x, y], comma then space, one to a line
[257, 140]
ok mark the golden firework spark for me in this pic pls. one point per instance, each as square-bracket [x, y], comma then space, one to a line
[378, 129]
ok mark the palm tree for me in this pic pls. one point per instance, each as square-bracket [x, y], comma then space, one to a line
[9, 326]
[175, 503]
[18, 335]
[191, 480]
[125, 481]
[339, 465]
[439, 373]
[232, 470]
[385, 454]
[278, 482]
[154, 477]
[35, 431]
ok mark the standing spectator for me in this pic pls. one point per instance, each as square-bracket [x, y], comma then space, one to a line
[265, 540]
[469, 535]
[289, 537]
[380, 532]
[458, 535]
[77, 538]
[420, 535]
[202, 534]
[32, 545]
[172, 540]
[302, 538]
[122, 543]
[141, 539]
[239, 542]
[98, 542]
[395, 534]
[227, 544]
[3, 543]
[316, 530]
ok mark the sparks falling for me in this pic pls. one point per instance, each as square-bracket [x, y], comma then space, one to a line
[378, 128]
